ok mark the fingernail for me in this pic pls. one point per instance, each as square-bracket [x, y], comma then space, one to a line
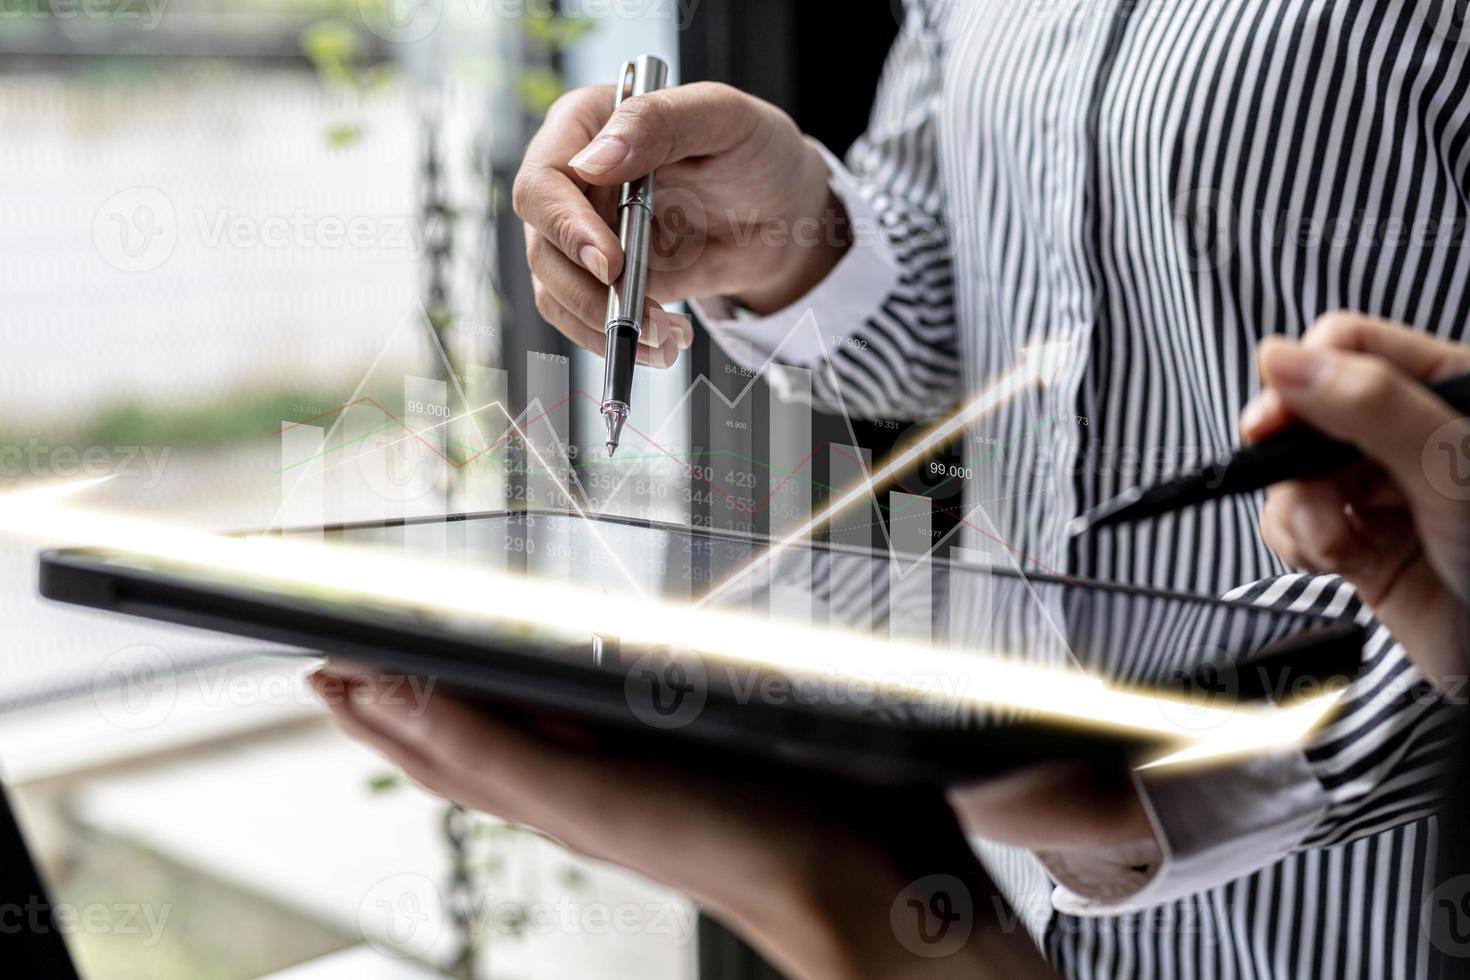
[601, 155]
[1292, 366]
[596, 263]
[331, 688]
[654, 328]
[683, 330]
[392, 712]
[1259, 411]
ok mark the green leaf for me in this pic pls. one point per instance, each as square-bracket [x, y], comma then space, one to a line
[540, 87]
[385, 782]
[339, 137]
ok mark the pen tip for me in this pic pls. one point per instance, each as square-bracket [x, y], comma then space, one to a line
[1077, 527]
[614, 420]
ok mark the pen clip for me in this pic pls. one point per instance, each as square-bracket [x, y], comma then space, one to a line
[626, 81]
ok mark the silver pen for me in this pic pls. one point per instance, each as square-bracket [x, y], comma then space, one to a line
[626, 297]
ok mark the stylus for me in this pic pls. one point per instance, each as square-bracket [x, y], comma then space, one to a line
[1297, 452]
[624, 324]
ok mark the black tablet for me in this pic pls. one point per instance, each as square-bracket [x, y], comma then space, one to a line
[1028, 667]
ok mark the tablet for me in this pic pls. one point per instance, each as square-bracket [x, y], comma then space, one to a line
[893, 668]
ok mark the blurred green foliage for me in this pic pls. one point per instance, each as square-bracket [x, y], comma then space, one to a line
[218, 423]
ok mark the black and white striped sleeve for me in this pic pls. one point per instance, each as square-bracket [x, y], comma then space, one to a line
[1377, 763]
[879, 333]
[1380, 758]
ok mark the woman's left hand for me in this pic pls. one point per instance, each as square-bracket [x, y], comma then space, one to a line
[808, 870]
[1397, 526]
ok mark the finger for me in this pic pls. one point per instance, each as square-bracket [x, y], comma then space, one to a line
[1418, 354]
[1277, 532]
[503, 756]
[1414, 352]
[1319, 523]
[470, 755]
[569, 325]
[1365, 400]
[582, 298]
[1263, 415]
[343, 710]
[1063, 805]
[651, 131]
[553, 199]
[579, 293]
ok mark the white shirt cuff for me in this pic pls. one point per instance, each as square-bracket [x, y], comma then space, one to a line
[852, 292]
[1211, 826]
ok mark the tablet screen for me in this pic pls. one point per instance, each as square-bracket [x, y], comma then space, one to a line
[961, 601]
[886, 625]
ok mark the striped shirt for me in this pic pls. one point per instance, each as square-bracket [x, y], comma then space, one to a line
[1165, 183]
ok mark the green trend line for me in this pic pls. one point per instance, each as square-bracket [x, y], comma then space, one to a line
[704, 453]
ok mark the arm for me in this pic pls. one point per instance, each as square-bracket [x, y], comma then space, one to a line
[1386, 541]
[879, 332]
[824, 877]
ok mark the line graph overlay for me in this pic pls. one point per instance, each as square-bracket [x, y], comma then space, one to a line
[1037, 365]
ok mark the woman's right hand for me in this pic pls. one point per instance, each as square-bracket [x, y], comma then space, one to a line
[1397, 525]
[744, 207]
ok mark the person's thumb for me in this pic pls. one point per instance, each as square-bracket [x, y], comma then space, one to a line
[651, 131]
[1367, 401]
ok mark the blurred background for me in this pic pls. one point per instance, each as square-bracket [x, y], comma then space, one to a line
[240, 242]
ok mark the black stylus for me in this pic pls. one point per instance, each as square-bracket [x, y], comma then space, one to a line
[1297, 452]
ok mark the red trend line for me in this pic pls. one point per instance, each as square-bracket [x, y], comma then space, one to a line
[369, 400]
[735, 502]
[960, 517]
[330, 411]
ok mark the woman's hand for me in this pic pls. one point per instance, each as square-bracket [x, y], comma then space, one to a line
[810, 871]
[1396, 526]
[744, 207]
